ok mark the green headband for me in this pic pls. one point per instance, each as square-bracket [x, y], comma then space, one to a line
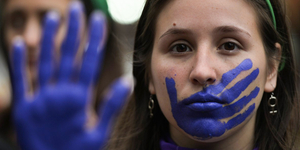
[282, 64]
[272, 12]
[102, 5]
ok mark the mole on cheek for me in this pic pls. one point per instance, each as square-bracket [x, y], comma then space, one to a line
[174, 24]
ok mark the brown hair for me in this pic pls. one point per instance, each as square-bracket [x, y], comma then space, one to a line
[136, 131]
[277, 131]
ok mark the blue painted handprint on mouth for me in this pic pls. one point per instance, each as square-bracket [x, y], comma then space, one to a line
[199, 115]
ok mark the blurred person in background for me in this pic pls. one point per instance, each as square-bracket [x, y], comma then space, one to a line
[294, 15]
[26, 19]
[5, 95]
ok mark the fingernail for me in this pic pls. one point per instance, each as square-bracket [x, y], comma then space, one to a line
[18, 42]
[53, 15]
[128, 81]
[76, 5]
[98, 15]
[97, 20]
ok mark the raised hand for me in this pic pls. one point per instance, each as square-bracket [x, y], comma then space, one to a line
[54, 117]
[204, 123]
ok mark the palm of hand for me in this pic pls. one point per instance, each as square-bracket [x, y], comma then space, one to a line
[55, 117]
[44, 122]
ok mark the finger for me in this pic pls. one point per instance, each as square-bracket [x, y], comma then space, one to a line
[49, 32]
[239, 105]
[234, 92]
[114, 101]
[19, 75]
[229, 76]
[231, 110]
[239, 118]
[221, 125]
[94, 53]
[70, 44]
[172, 92]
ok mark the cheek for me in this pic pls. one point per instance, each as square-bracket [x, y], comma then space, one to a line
[160, 85]
[259, 82]
[159, 74]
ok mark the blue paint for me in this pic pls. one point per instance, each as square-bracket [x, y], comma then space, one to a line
[204, 107]
[199, 115]
[55, 116]
[229, 76]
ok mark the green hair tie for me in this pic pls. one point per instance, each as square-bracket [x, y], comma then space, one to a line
[282, 63]
[101, 5]
[272, 12]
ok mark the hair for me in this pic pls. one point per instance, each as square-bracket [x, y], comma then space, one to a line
[280, 130]
[135, 129]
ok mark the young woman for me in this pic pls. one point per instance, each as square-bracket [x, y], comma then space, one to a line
[211, 75]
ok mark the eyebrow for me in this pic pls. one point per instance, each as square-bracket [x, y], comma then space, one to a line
[174, 31]
[224, 29]
[21, 9]
[231, 29]
[11, 11]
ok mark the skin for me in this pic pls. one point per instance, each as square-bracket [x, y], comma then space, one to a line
[25, 19]
[191, 48]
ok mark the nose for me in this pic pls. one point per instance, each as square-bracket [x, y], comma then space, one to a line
[203, 71]
[32, 33]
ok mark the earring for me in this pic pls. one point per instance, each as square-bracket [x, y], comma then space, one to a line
[272, 102]
[151, 106]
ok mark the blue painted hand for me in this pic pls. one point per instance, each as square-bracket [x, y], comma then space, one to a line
[199, 115]
[55, 116]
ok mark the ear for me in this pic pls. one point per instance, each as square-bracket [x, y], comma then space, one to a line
[151, 87]
[273, 72]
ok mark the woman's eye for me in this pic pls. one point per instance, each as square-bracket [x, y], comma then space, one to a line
[229, 46]
[179, 48]
[17, 20]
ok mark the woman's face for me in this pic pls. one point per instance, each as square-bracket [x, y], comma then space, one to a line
[25, 18]
[209, 70]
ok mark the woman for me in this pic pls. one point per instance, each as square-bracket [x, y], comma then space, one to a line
[211, 75]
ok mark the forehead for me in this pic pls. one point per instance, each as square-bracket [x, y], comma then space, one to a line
[36, 5]
[207, 14]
